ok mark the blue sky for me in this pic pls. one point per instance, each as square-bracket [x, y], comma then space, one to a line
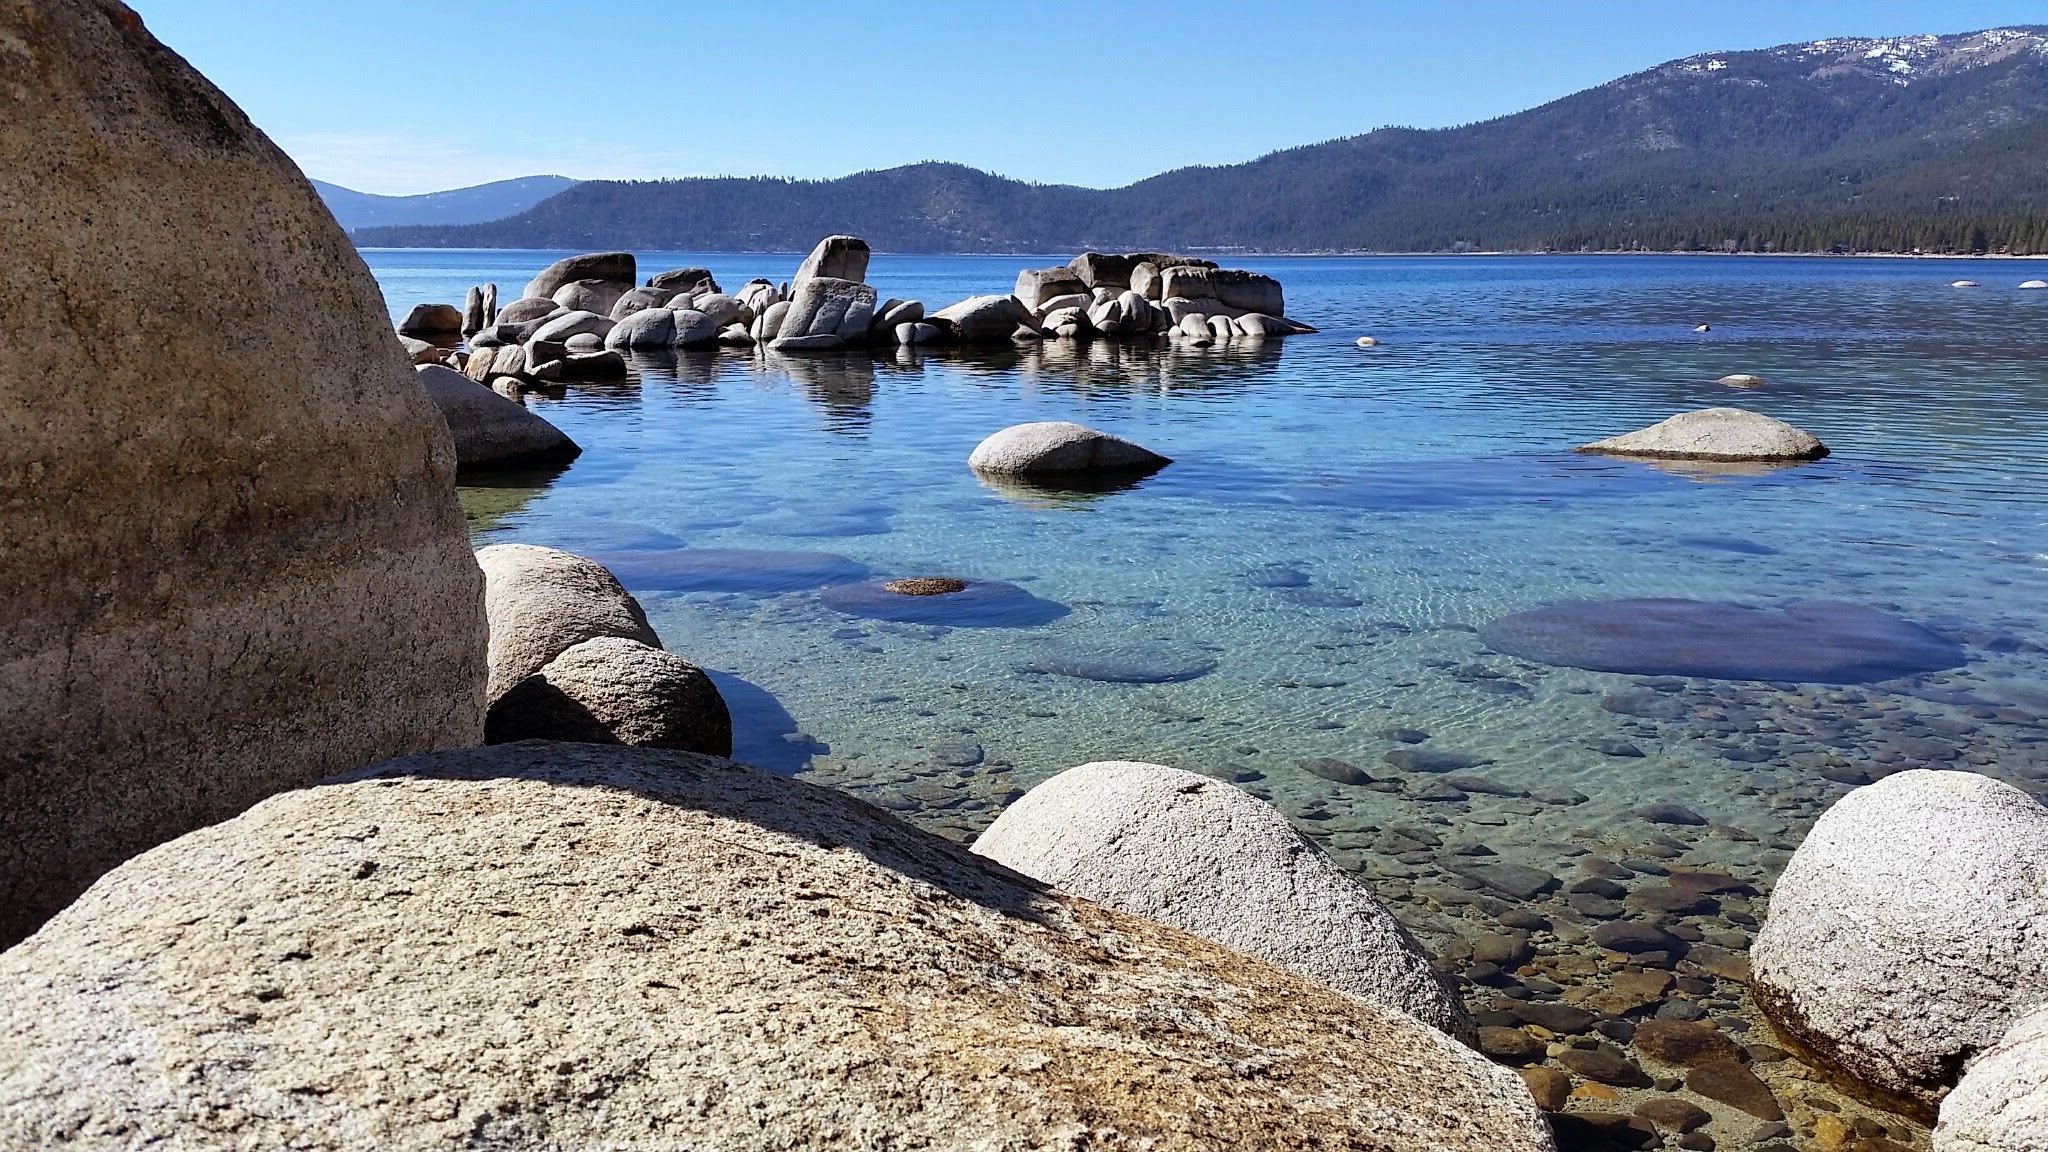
[408, 97]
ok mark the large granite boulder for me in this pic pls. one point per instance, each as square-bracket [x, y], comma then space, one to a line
[611, 690]
[548, 946]
[617, 267]
[491, 431]
[2001, 1104]
[1035, 286]
[427, 321]
[527, 309]
[1910, 929]
[639, 300]
[543, 602]
[559, 329]
[683, 280]
[986, 319]
[599, 296]
[1053, 446]
[837, 257]
[1245, 291]
[646, 328]
[232, 555]
[1727, 434]
[825, 306]
[1199, 854]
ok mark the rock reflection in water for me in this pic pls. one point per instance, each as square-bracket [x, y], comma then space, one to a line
[843, 384]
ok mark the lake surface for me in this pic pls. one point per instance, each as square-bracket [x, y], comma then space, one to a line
[1313, 578]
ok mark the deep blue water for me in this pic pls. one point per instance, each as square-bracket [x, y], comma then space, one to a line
[1339, 527]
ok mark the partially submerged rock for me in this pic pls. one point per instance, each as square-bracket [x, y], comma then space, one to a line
[1731, 434]
[234, 563]
[541, 946]
[953, 603]
[432, 320]
[1199, 854]
[1742, 380]
[1910, 929]
[1056, 446]
[985, 319]
[491, 431]
[611, 690]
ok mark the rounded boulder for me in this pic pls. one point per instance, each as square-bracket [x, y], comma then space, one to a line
[490, 430]
[543, 946]
[1910, 929]
[1214, 860]
[541, 602]
[1726, 434]
[2001, 1105]
[611, 690]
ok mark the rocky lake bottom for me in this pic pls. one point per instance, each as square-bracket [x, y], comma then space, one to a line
[1568, 716]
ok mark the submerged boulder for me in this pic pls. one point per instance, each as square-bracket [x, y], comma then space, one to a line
[617, 267]
[611, 690]
[539, 946]
[1813, 641]
[1059, 446]
[837, 257]
[543, 602]
[235, 563]
[1201, 855]
[490, 430]
[1910, 929]
[1732, 434]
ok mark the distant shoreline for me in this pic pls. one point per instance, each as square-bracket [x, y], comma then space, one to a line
[1255, 255]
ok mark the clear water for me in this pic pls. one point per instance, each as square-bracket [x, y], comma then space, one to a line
[1337, 523]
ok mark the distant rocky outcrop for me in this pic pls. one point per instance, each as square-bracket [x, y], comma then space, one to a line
[540, 946]
[234, 563]
[828, 307]
[1199, 854]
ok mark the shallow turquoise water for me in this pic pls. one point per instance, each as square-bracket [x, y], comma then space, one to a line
[1337, 524]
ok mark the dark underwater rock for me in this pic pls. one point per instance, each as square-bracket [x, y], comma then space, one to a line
[1811, 641]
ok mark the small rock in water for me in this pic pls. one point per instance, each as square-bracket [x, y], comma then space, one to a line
[1644, 705]
[1368, 342]
[1417, 760]
[1439, 791]
[1673, 1115]
[1736, 1086]
[1742, 380]
[1605, 1066]
[1510, 1045]
[1683, 1044]
[1519, 881]
[1404, 735]
[1703, 328]
[1551, 1088]
[1484, 785]
[957, 755]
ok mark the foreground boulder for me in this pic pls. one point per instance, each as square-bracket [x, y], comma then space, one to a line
[2001, 1105]
[1730, 434]
[543, 602]
[1058, 446]
[491, 431]
[1910, 929]
[615, 267]
[611, 690]
[542, 946]
[234, 564]
[1199, 854]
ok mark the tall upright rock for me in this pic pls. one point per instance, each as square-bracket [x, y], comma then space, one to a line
[232, 561]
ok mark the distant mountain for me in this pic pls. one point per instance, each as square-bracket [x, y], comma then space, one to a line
[1934, 142]
[472, 205]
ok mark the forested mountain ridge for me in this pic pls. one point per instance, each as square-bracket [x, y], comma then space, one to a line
[1932, 142]
[478, 202]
